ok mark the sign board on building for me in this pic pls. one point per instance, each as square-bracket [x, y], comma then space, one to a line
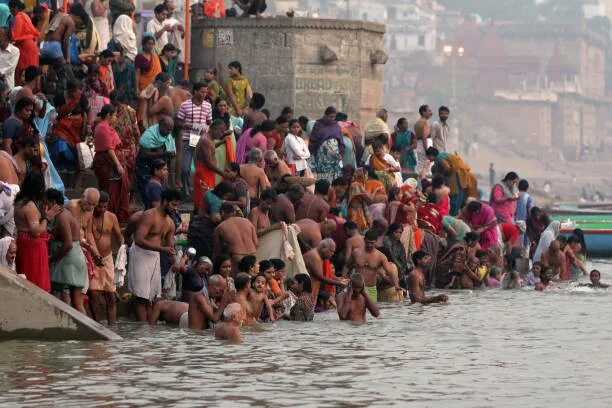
[225, 36]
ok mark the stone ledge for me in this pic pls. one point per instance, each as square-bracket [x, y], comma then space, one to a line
[287, 23]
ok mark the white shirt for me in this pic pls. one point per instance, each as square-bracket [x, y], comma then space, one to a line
[8, 62]
[153, 27]
[102, 24]
[295, 146]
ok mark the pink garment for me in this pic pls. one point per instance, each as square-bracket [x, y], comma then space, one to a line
[485, 216]
[503, 209]
[444, 207]
[247, 142]
[492, 282]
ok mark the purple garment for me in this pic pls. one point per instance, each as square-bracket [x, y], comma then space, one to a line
[323, 131]
[241, 146]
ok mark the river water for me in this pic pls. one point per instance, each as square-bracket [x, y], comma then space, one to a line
[486, 348]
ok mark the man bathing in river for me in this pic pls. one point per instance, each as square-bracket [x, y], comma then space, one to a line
[229, 329]
[154, 236]
[372, 264]
[353, 303]
[595, 276]
[416, 281]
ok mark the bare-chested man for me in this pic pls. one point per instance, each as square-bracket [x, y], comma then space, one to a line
[8, 169]
[229, 329]
[313, 260]
[314, 206]
[234, 236]
[354, 240]
[56, 46]
[242, 282]
[31, 89]
[67, 262]
[416, 280]
[554, 258]
[82, 210]
[422, 132]
[102, 285]
[275, 167]
[353, 303]
[254, 175]
[259, 216]
[154, 236]
[372, 264]
[204, 313]
[311, 232]
[284, 207]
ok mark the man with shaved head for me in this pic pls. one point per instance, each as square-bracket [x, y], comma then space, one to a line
[312, 233]
[82, 209]
[275, 167]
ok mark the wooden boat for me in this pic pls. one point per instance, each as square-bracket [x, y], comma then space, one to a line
[597, 231]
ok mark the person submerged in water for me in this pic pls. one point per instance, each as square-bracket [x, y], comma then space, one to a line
[353, 303]
[229, 329]
[595, 276]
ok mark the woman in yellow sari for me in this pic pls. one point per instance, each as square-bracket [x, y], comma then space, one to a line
[147, 64]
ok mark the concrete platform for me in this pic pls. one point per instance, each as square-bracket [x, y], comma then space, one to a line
[27, 312]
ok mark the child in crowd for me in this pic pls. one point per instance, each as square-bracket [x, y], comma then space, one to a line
[595, 277]
[267, 269]
[533, 276]
[301, 289]
[249, 265]
[261, 307]
[229, 329]
[282, 310]
[545, 280]
[492, 280]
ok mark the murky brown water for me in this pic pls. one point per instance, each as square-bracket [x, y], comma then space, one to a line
[486, 348]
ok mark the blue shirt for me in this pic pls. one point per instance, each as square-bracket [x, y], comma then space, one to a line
[523, 206]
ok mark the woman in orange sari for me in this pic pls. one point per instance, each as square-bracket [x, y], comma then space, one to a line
[358, 201]
[147, 64]
[378, 194]
[24, 35]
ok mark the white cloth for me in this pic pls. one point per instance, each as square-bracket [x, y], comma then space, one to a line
[421, 158]
[295, 146]
[184, 321]
[153, 26]
[123, 33]
[549, 235]
[121, 266]
[9, 58]
[144, 273]
[269, 248]
[394, 163]
[4, 246]
[175, 38]
[439, 134]
[7, 209]
[102, 24]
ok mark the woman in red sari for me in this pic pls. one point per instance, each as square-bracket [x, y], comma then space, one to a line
[24, 35]
[32, 219]
[111, 175]
[126, 126]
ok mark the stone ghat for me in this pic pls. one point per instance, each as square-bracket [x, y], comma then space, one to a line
[28, 312]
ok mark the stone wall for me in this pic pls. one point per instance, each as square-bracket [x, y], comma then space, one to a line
[305, 63]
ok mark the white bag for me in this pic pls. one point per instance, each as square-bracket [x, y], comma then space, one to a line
[85, 154]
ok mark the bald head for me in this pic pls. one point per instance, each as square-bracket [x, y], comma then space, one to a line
[382, 114]
[357, 279]
[327, 244]
[555, 246]
[328, 227]
[166, 124]
[270, 155]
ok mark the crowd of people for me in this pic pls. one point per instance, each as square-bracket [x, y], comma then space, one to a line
[290, 216]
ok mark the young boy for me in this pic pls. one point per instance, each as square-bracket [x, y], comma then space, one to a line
[353, 303]
[595, 276]
[229, 329]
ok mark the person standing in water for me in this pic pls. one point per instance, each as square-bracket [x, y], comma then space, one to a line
[353, 303]
[416, 281]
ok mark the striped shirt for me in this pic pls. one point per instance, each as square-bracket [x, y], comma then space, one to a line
[194, 117]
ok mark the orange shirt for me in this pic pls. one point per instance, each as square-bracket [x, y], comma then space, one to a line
[275, 287]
